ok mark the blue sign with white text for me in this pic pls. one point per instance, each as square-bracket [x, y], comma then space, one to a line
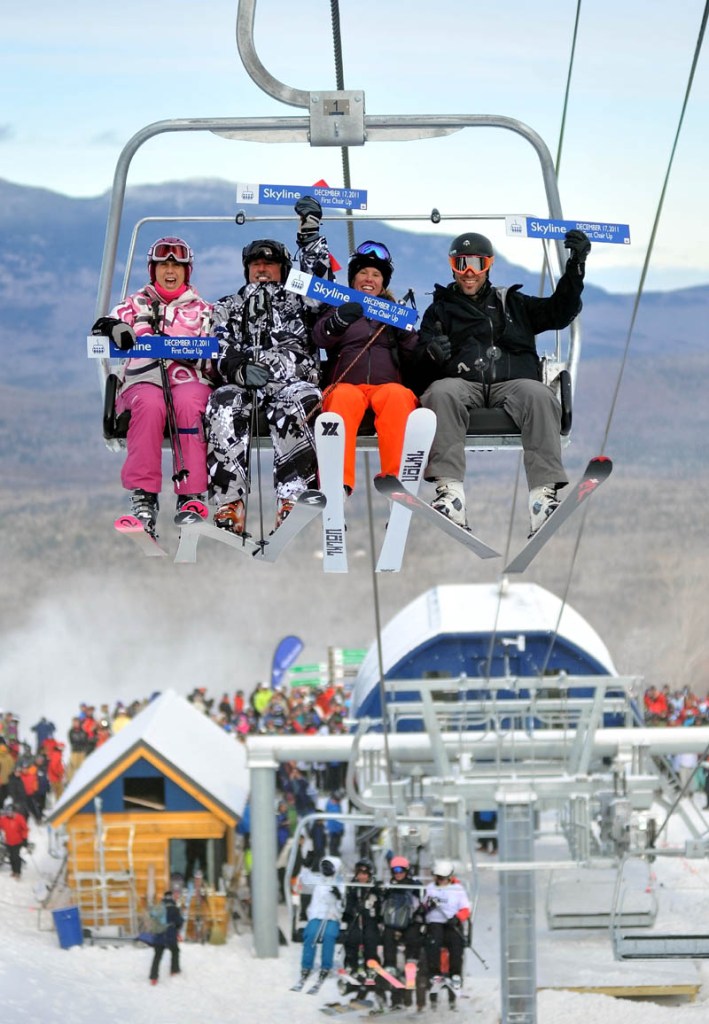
[154, 346]
[287, 195]
[334, 294]
[539, 227]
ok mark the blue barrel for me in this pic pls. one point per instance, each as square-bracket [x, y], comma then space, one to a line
[68, 925]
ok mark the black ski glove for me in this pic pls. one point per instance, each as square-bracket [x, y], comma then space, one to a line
[336, 892]
[121, 334]
[343, 316]
[252, 376]
[310, 212]
[230, 364]
[439, 347]
[579, 246]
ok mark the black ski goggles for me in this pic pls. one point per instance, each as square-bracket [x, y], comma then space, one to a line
[377, 249]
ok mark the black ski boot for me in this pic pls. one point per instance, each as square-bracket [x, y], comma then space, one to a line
[144, 506]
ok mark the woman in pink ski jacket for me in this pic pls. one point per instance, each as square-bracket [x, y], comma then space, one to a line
[166, 305]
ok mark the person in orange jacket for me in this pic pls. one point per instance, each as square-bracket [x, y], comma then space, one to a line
[14, 827]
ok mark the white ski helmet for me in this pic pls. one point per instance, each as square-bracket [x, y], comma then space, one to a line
[443, 869]
[330, 866]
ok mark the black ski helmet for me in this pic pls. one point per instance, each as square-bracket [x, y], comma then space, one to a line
[471, 244]
[268, 249]
[371, 254]
[364, 864]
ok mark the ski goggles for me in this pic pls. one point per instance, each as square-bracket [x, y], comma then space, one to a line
[373, 249]
[474, 264]
[178, 251]
[399, 871]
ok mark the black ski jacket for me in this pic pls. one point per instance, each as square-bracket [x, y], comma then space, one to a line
[501, 317]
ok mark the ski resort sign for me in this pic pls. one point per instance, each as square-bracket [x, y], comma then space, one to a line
[154, 346]
[287, 195]
[333, 294]
[554, 230]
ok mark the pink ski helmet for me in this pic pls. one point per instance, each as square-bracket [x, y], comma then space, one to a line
[399, 864]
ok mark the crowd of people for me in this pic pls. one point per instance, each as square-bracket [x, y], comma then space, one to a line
[284, 357]
[665, 706]
[33, 773]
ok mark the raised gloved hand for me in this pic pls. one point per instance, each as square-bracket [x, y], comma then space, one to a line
[439, 347]
[579, 246]
[252, 376]
[121, 334]
[343, 316]
[310, 212]
[336, 892]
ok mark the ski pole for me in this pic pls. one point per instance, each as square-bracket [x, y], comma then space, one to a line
[180, 472]
[483, 962]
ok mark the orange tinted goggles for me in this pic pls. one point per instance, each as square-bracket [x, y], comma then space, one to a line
[474, 264]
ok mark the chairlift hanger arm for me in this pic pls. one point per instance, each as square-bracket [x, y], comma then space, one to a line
[282, 129]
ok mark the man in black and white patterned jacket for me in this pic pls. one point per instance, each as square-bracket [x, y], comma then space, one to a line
[267, 356]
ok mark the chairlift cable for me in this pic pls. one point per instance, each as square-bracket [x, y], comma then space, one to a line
[636, 305]
[656, 222]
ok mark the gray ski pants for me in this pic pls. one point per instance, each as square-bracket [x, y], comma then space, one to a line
[532, 405]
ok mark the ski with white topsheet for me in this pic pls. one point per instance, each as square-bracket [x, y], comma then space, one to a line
[330, 447]
[418, 438]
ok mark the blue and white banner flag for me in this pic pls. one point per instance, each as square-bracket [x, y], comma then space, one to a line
[539, 227]
[283, 657]
[154, 346]
[334, 294]
[287, 195]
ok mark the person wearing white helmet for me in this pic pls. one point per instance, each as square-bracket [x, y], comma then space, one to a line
[154, 391]
[447, 908]
[477, 349]
[327, 902]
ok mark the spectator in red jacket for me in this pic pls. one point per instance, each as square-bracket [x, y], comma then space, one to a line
[656, 709]
[14, 827]
[55, 768]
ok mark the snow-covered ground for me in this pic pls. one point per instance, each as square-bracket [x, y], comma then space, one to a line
[40, 983]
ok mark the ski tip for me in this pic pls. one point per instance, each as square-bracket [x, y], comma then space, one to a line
[601, 464]
[127, 522]
[387, 483]
[312, 497]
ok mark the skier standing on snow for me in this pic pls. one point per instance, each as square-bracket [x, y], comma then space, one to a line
[267, 358]
[167, 939]
[363, 369]
[167, 305]
[477, 349]
[13, 825]
[324, 915]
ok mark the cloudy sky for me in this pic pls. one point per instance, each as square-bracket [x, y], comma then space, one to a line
[77, 81]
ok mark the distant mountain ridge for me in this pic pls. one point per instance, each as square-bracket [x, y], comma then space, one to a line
[51, 257]
[49, 271]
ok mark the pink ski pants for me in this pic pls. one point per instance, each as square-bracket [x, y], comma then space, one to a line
[143, 465]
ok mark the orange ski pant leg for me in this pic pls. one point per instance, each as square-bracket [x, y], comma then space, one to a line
[351, 401]
[392, 404]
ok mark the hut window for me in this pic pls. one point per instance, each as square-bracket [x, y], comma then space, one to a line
[147, 794]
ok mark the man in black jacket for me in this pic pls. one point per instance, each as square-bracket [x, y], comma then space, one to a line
[477, 348]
